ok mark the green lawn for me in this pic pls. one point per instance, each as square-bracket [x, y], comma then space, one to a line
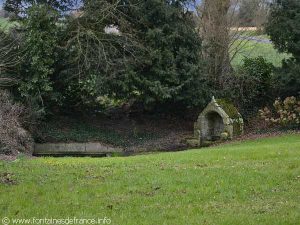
[253, 49]
[254, 182]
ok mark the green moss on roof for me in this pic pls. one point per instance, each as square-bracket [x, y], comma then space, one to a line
[229, 108]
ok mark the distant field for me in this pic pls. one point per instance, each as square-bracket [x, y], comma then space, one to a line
[5, 24]
[254, 49]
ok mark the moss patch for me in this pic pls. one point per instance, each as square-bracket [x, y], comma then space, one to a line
[229, 108]
[234, 114]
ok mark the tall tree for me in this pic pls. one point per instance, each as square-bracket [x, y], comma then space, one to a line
[95, 57]
[215, 30]
[37, 67]
[284, 29]
[284, 26]
[154, 55]
[10, 58]
[168, 70]
[253, 12]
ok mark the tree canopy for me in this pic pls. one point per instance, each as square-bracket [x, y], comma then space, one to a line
[284, 30]
[284, 26]
[73, 60]
[169, 67]
[20, 6]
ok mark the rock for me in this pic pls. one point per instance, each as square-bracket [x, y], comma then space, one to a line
[193, 142]
[224, 136]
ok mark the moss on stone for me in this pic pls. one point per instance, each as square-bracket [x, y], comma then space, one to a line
[234, 114]
[229, 108]
[220, 120]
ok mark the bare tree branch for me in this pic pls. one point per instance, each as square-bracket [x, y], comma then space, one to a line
[10, 57]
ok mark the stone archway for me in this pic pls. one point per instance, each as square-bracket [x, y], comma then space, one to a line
[220, 120]
[215, 125]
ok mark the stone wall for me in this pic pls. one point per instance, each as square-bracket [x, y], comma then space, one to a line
[75, 149]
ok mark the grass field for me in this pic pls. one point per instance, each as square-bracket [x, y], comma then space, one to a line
[4, 23]
[254, 49]
[254, 182]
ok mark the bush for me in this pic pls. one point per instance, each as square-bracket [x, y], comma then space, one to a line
[252, 86]
[38, 63]
[13, 137]
[286, 113]
[288, 79]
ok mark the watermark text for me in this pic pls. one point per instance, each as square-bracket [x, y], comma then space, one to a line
[46, 221]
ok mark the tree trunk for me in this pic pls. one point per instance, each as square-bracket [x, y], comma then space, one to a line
[215, 33]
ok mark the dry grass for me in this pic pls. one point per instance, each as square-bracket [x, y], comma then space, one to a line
[13, 138]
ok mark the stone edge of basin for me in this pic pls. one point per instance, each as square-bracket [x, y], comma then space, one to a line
[90, 148]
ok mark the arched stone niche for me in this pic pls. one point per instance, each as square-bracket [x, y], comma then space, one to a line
[213, 125]
[220, 120]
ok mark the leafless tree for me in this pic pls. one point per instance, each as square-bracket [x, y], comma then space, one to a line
[9, 58]
[95, 40]
[223, 35]
[253, 12]
[262, 13]
[13, 137]
[214, 30]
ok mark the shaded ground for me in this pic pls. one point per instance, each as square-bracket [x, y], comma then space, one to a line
[142, 134]
[134, 135]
